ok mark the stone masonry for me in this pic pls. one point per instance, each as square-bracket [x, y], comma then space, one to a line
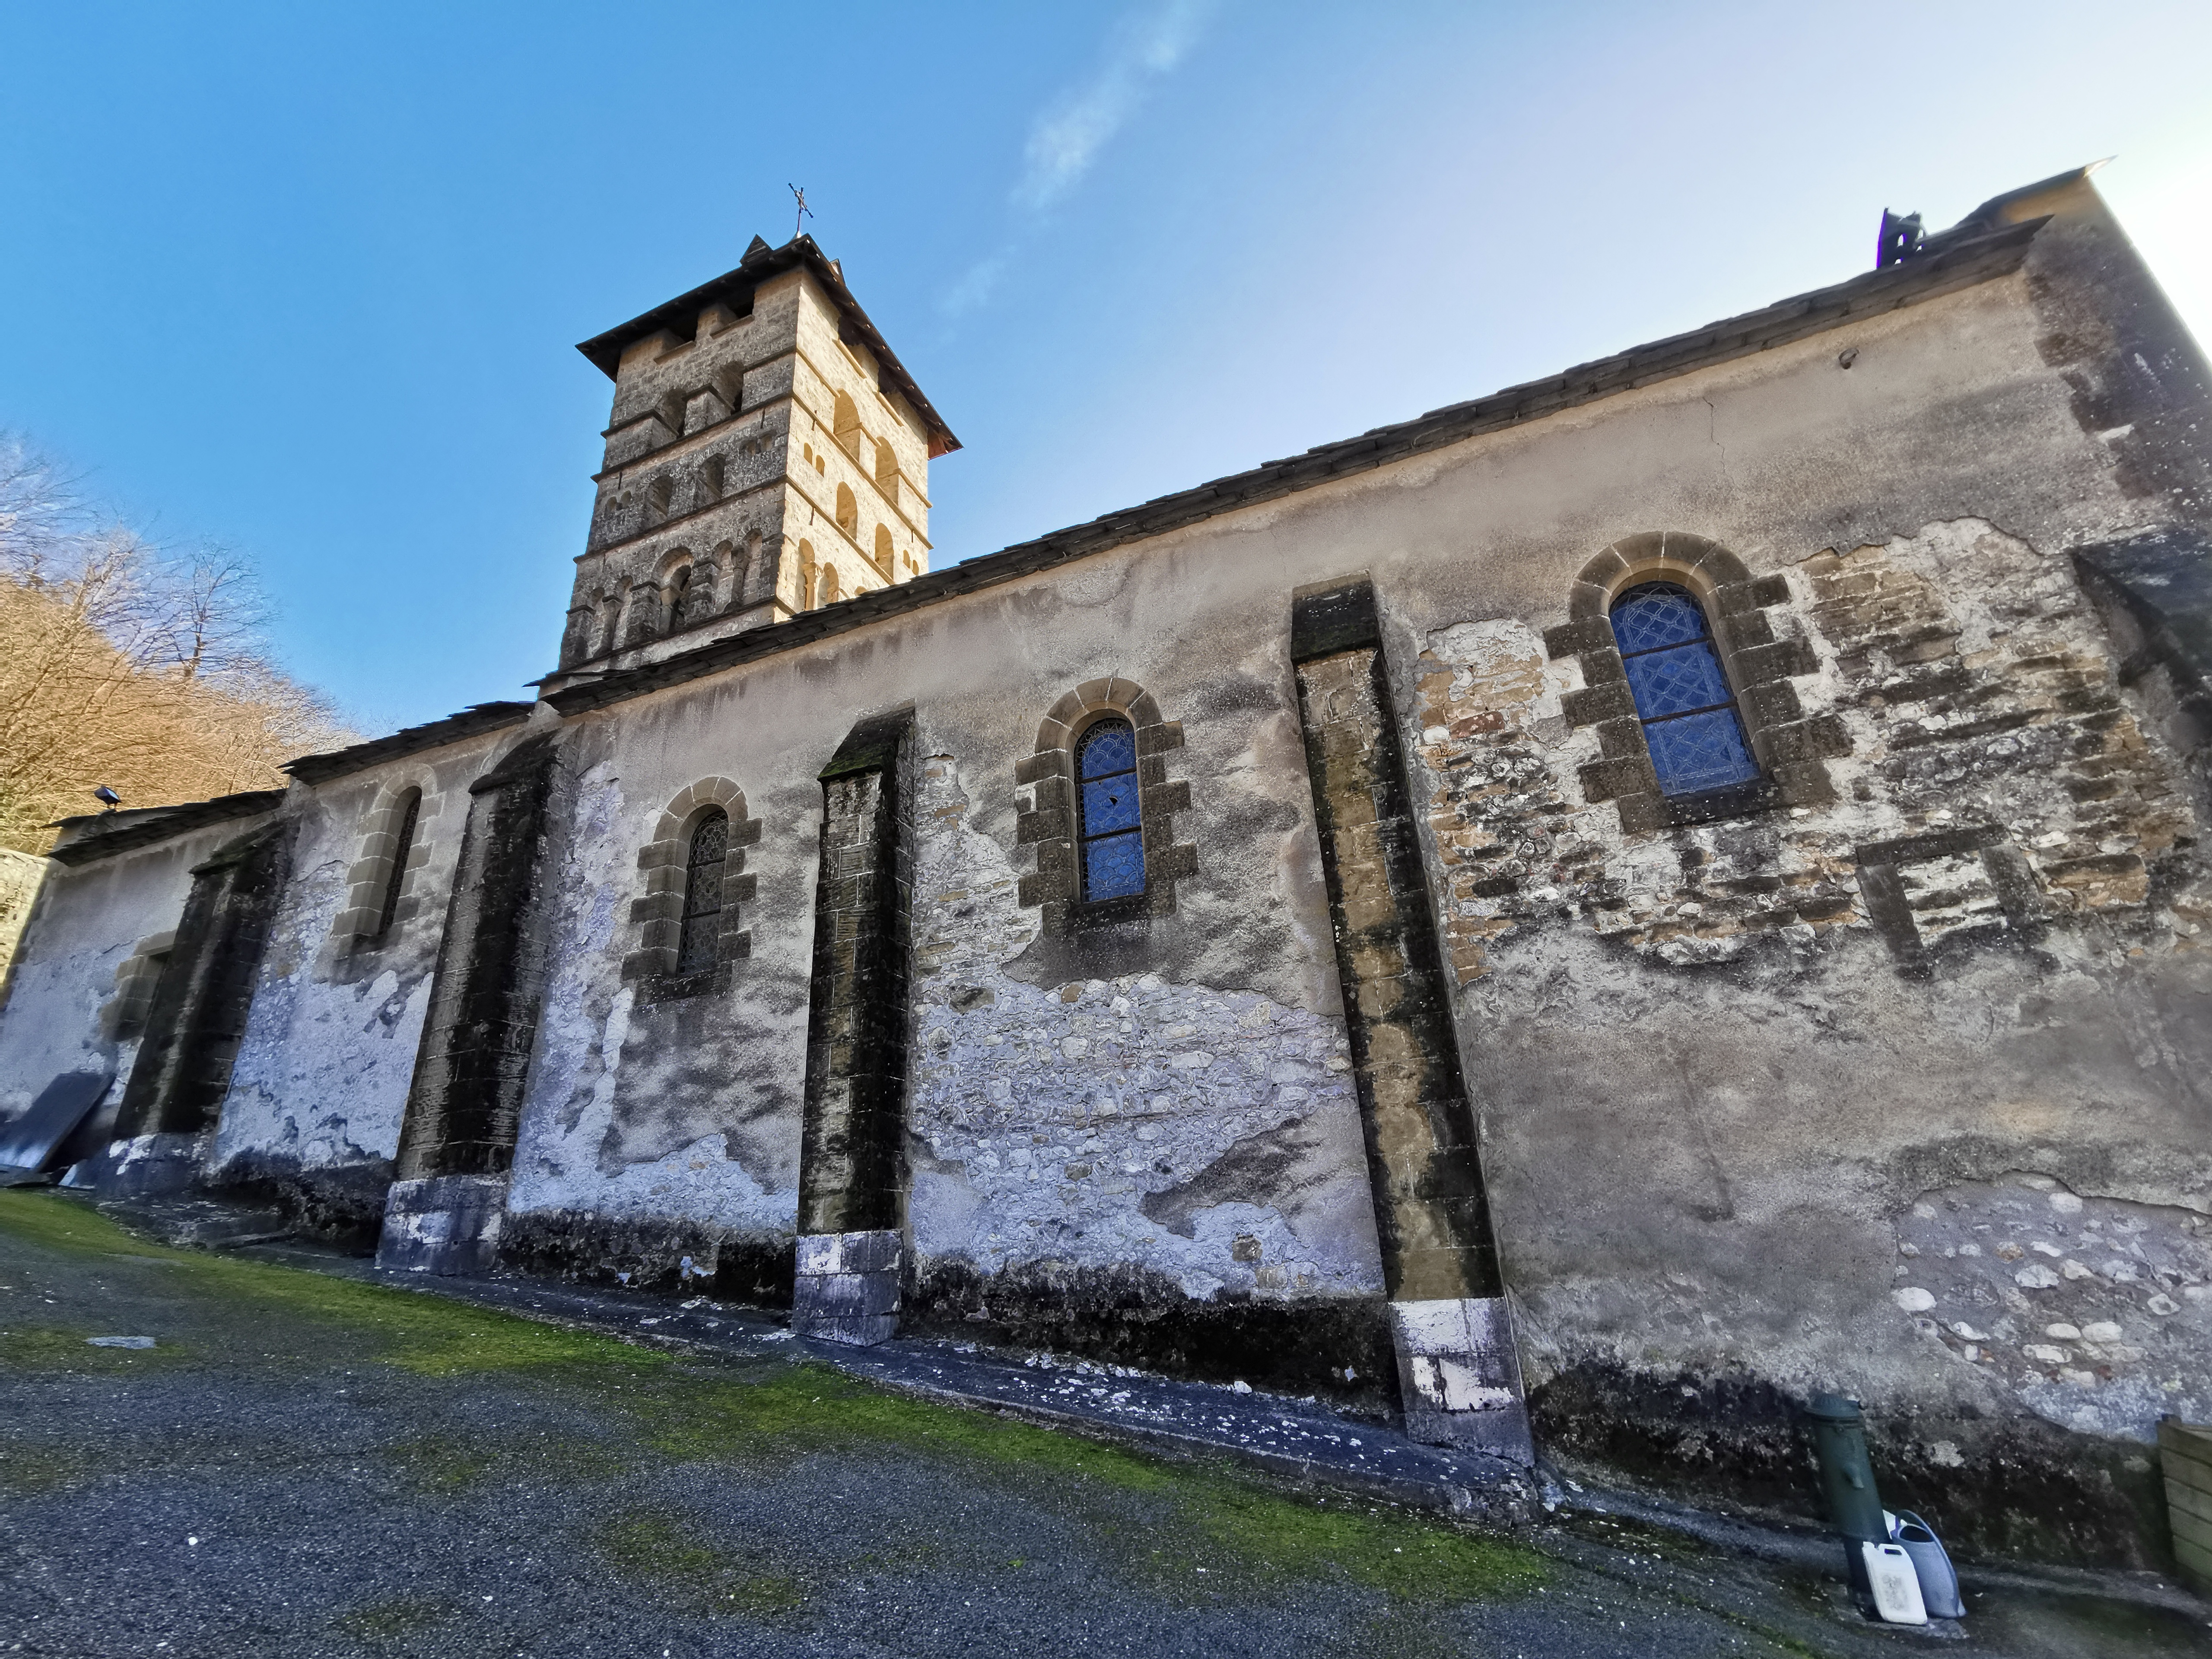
[1460, 1379]
[850, 1263]
[1448, 1051]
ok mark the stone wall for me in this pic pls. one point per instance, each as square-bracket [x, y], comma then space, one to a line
[1711, 1069]
[196, 1015]
[1884, 1075]
[697, 452]
[464, 1108]
[1152, 1169]
[717, 507]
[321, 1078]
[76, 995]
[1981, 962]
[663, 1116]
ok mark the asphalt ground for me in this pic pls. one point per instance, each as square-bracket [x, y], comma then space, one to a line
[309, 1464]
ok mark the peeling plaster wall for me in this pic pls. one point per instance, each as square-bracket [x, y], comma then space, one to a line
[1703, 1045]
[1724, 1073]
[83, 928]
[674, 1121]
[2097, 1311]
[686, 1113]
[1206, 1134]
[1650, 1032]
[320, 1087]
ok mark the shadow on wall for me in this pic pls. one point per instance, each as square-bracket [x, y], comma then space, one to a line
[1338, 1348]
[2031, 1492]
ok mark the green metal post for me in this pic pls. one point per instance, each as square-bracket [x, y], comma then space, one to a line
[1840, 1441]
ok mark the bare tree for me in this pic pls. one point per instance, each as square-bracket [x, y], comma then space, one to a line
[41, 510]
[126, 665]
[217, 617]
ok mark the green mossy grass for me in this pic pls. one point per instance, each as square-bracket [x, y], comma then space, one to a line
[52, 1348]
[425, 1333]
[662, 1549]
[797, 1409]
[1405, 1557]
[777, 1413]
[1258, 1534]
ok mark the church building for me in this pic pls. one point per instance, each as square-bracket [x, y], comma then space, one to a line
[1575, 922]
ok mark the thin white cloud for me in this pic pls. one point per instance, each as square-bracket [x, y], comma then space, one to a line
[975, 287]
[1069, 136]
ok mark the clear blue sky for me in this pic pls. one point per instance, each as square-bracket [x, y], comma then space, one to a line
[306, 279]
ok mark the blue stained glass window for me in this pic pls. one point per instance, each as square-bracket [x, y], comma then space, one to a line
[1110, 746]
[1655, 615]
[1113, 866]
[1107, 830]
[1689, 720]
[698, 943]
[1110, 803]
[1700, 752]
[1680, 681]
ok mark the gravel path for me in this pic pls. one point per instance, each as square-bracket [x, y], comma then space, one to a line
[306, 1463]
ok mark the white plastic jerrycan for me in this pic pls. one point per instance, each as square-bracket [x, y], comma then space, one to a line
[1896, 1586]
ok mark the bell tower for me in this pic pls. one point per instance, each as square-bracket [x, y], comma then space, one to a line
[767, 454]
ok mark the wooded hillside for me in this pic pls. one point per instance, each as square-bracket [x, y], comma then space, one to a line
[126, 664]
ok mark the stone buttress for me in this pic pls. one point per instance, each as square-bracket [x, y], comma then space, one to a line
[197, 1018]
[457, 1144]
[851, 1187]
[1458, 1374]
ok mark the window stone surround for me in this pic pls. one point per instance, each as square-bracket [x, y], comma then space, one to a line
[1758, 659]
[664, 863]
[1047, 819]
[355, 928]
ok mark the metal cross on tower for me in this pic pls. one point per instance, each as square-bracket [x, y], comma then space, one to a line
[804, 213]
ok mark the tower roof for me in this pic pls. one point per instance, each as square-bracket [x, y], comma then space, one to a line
[761, 262]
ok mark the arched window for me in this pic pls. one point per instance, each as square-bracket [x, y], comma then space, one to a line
[827, 593]
[679, 592]
[1111, 843]
[402, 847]
[887, 471]
[1683, 696]
[845, 424]
[884, 554]
[848, 512]
[610, 623]
[699, 946]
